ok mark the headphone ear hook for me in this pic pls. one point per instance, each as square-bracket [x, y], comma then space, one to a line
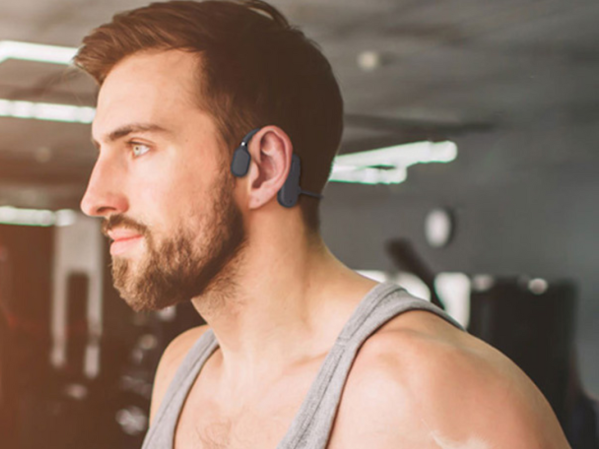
[288, 194]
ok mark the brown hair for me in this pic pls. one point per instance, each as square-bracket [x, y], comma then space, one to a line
[256, 70]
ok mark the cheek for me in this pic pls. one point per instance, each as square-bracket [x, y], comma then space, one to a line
[154, 189]
[156, 194]
[170, 190]
[179, 196]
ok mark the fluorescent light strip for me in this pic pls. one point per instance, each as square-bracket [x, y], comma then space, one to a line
[36, 217]
[368, 175]
[402, 155]
[362, 167]
[26, 51]
[46, 111]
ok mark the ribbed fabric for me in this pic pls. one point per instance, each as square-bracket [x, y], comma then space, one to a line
[311, 427]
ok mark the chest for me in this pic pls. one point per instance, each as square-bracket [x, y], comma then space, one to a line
[257, 418]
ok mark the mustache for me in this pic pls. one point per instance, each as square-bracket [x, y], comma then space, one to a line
[122, 221]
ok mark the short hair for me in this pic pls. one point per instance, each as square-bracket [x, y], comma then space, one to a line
[256, 70]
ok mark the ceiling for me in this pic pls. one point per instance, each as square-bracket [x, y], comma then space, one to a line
[448, 68]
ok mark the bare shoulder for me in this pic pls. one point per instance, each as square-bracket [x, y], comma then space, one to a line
[169, 362]
[421, 382]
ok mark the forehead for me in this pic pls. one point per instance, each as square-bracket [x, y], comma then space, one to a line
[149, 87]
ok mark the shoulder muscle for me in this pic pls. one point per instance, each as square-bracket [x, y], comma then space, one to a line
[420, 383]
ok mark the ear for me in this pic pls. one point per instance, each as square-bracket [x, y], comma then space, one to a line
[271, 150]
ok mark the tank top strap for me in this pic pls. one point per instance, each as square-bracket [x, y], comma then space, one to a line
[313, 423]
[161, 433]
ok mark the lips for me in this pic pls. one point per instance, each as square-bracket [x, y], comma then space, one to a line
[123, 234]
[123, 240]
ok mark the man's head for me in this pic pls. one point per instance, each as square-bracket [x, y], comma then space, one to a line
[181, 84]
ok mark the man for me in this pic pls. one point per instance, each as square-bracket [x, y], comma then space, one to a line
[300, 350]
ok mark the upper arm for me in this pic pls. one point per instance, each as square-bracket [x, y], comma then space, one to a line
[410, 390]
[169, 362]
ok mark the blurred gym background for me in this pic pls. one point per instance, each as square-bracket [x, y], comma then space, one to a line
[482, 196]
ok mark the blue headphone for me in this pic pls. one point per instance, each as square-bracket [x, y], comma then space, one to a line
[290, 191]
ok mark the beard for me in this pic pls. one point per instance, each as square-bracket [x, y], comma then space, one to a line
[180, 268]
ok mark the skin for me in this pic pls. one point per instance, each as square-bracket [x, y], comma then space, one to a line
[417, 382]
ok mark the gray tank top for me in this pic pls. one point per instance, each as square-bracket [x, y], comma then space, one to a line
[311, 427]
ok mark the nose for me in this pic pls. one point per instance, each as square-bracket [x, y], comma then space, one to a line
[104, 195]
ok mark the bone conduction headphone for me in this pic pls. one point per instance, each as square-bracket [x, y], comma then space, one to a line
[290, 191]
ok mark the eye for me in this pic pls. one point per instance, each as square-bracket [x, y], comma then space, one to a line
[139, 149]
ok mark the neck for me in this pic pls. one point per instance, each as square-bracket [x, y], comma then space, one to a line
[284, 304]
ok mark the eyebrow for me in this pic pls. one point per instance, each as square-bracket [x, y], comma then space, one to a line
[125, 130]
